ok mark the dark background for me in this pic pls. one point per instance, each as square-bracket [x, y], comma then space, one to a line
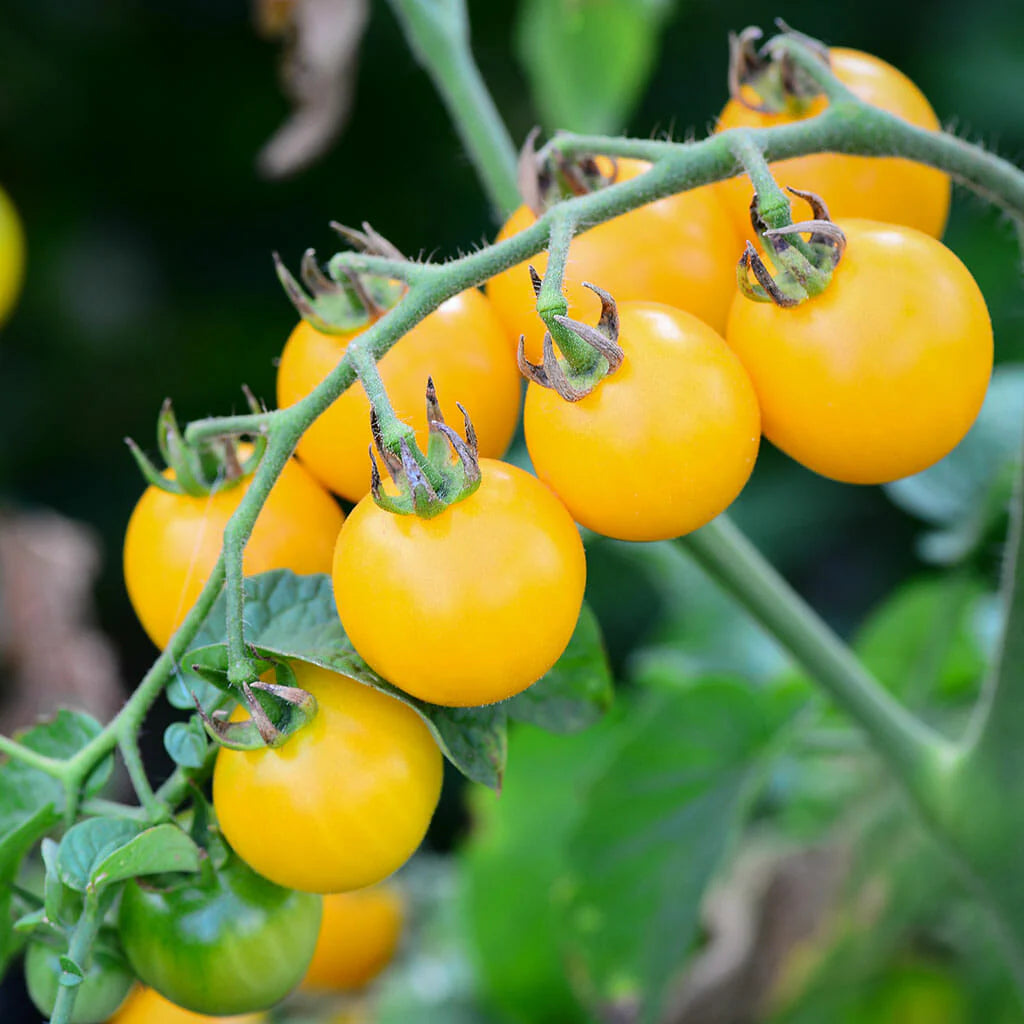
[128, 135]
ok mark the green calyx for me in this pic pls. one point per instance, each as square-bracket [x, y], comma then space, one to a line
[349, 301]
[779, 85]
[198, 469]
[586, 355]
[426, 484]
[276, 710]
[803, 268]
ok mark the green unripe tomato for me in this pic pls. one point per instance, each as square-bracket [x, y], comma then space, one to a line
[225, 943]
[102, 990]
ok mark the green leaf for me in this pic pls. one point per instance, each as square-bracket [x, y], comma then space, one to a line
[577, 691]
[588, 61]
[87, 845]
[160, 849]
[294, 617]
[514, 862]
[654, 828]
[14, 846]
[922, 642]
[186, 743]
[63, 905]
[23, 789]
[965, 495]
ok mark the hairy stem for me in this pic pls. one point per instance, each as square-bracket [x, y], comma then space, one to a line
[438, 34]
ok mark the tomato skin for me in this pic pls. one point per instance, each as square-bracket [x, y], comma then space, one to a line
[662, 445]
[680, 250]
[882, 374]
[344, 802]
[461, 345]
[886, 189]
[227, 944]
[358, 937]
[173, 541]
[145, 1006]
[12, 256]
[472, 606]
[106, 984]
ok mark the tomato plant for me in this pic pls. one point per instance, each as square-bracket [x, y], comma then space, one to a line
[358, 937]
[178, 940]
[173, 541]
[663, 444]
[882, 374]
[679, 250]
[461, 345]
[328, 665]
[350, 796]
[889, 189]
[102, 990]
[480, 621]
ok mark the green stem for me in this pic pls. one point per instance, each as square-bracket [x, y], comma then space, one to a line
[581, 357]
[25, 755]
[438, 34]
[909, 747]
[81, 952]
[129, 746]
[772, 201]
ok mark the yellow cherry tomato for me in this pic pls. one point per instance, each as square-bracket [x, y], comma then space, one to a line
[173, 542]
[12, 255]
[884, 372]
[344, 802]
[472, 606]
[145, 1006]
[875, 188]
[358, 935]
[663, 444]
[680, 250]
[461, 345]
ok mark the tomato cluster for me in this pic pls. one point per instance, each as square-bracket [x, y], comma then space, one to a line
[876, 377]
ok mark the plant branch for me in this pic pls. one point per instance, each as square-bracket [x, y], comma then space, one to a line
[80, 952]
[909, 747]
[437, 32]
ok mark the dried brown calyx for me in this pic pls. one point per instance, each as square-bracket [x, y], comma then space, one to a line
[765, 78]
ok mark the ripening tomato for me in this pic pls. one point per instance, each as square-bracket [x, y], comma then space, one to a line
[881, 374]
[876, 188]
[106, 983]
[12, 255]
[469, 607]
[173, 541]
[663, 444]
[222, 942]
[461, 345]
[344, 802]
[145, 1006]
[358, 936]
[680, 250]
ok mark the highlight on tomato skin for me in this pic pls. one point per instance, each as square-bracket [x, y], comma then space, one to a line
[883, 373]
[469, 607]
[888, 189]
[662, 445]
[347, 799]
